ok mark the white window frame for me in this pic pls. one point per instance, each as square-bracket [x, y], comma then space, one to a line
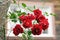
[51, 29]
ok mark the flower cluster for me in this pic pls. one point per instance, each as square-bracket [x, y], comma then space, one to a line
[36, 29]
[18, 29]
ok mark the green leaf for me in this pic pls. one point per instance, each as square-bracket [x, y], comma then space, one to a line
[14, 20]
[30, 9]
[19, 20]
[34, 7]
[53, 14]
[13, 16]
[18, 11]
[24, 5]
[34, 22]
[24, 36]
[10, 12]
[14, 1]
[29, 32]
[30, 38]
[25, 32]
[46, 14]
[19, 14]
[24, 13]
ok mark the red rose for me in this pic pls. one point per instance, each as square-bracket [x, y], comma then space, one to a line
[36, 29]
[15, 31]
[37, 13]
[27, 20]
[40, 18]
[44, 24]
[27, 23]
[18, 29]
[31, 16]
[23, 17]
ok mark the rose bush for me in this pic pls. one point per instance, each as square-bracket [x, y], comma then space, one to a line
[36, 29]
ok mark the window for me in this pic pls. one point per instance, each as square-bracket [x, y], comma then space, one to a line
[45, 7]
